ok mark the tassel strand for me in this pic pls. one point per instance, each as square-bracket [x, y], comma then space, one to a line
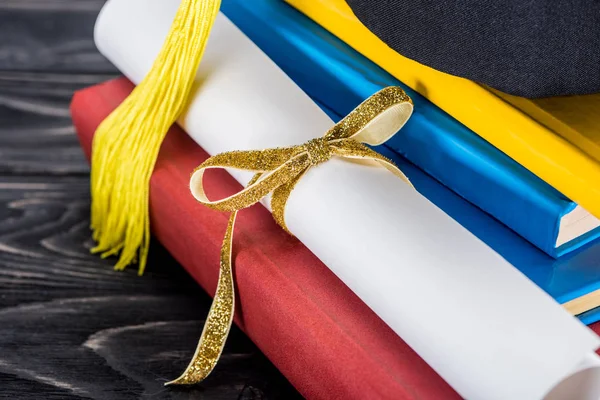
[126, 144]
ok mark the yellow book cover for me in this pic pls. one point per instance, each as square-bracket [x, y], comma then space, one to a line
[558, 139]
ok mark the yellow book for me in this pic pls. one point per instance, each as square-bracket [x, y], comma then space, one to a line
[558, 139]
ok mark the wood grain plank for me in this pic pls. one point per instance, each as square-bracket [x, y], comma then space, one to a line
[50, 35]
[71, 325]
[36, 134]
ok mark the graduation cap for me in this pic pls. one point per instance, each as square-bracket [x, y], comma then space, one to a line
[534, 48]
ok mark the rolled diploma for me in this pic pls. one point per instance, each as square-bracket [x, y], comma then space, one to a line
[482, 325]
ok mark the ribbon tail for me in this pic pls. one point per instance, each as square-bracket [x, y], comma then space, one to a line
[257, 188]
[218, 322]
[280, 198]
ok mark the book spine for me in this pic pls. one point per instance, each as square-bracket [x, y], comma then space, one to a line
[307, 322]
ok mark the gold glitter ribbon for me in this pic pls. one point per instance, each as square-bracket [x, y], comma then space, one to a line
[277, 172]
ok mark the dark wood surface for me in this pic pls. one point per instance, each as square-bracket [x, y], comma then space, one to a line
[71, 327]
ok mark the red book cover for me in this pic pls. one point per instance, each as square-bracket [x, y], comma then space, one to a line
[316, 331]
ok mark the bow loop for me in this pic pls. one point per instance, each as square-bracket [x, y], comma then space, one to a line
[376, 119]
[259, 187]
[252, 160]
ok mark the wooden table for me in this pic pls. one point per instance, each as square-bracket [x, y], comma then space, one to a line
[71, 327]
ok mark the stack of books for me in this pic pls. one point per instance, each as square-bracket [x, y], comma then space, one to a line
[521, 161]
[521, 175]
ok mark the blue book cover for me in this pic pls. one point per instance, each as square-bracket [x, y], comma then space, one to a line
[329, 70]
[338, 79]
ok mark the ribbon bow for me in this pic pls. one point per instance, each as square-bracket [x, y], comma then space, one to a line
[278, 170]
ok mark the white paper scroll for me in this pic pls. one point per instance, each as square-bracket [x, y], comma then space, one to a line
[484, 327]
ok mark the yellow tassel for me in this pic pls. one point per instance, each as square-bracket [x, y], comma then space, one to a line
[126, 144]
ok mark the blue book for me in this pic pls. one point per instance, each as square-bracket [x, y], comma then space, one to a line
[338, 79]
[329, 70]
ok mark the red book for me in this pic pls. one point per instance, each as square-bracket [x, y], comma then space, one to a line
[316, 331]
